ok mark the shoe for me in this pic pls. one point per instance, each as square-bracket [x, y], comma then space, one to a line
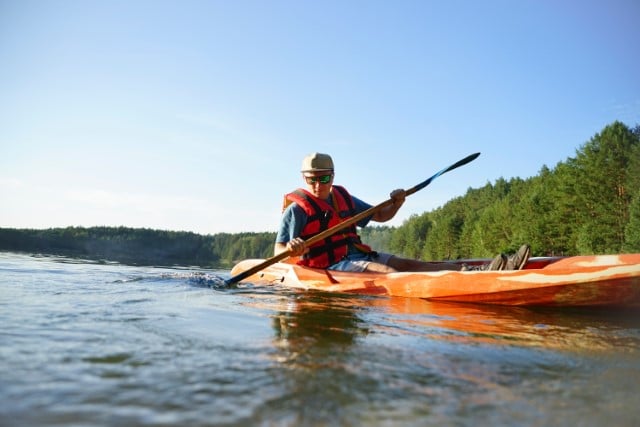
[519, 259]
[498, 263]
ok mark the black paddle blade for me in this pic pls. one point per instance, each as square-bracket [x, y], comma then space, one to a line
[469, 158]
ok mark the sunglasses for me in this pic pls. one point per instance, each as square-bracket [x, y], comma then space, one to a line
[322, 179]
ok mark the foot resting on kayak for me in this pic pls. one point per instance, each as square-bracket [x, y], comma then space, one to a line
[518, 260]
[502, 262]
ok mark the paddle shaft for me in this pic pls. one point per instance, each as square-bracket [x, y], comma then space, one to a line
[354, 219]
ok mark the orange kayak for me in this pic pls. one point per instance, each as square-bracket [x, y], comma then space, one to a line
[599, 280]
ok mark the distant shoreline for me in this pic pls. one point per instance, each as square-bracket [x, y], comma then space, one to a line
[139, 246]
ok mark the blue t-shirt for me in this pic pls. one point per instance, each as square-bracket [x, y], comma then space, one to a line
[294, 219]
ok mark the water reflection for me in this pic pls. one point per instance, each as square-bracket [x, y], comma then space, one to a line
[316, 338]
[578, 329]
[307, 325]
[379, 360]
[310, 325]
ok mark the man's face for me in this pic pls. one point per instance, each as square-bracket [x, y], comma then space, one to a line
[319, 183]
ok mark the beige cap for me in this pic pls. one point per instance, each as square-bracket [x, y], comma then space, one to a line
[317, 162]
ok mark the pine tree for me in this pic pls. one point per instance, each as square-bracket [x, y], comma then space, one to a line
[602, 189]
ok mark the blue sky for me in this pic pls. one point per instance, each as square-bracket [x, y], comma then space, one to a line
[195, 115]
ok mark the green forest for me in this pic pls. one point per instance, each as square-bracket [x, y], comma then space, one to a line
[586, 204]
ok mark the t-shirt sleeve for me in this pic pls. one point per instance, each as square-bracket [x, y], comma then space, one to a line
[291, 224]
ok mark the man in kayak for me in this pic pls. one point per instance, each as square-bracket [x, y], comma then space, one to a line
[321, 205]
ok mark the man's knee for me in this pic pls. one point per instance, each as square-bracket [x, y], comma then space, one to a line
[375, 267]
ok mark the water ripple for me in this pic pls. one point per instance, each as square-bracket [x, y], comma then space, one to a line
[95, 344]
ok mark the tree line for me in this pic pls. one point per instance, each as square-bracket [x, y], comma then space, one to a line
[587, 204]
[140, 246]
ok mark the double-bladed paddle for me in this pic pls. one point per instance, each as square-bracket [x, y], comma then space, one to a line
[354, 219]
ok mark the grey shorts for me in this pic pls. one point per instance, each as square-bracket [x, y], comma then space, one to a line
[358, 263]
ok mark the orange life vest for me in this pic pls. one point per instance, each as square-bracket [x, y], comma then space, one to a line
[321, 216]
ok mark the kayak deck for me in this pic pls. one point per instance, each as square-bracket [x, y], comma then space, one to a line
[599, 280]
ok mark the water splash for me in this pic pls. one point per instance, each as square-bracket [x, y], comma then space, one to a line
[199, 278]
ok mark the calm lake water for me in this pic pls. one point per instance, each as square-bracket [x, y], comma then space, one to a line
[88, 344]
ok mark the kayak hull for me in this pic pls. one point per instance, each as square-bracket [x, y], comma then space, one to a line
[600, 280]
